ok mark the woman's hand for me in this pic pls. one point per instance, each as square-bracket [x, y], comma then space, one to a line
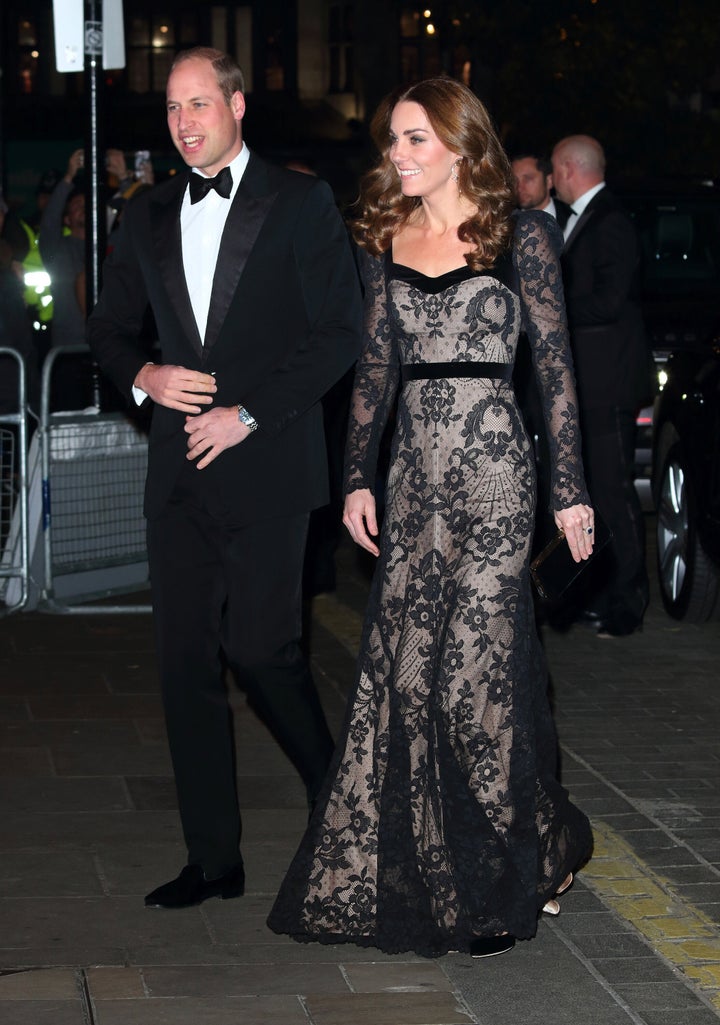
[577, 524]
[360, 518]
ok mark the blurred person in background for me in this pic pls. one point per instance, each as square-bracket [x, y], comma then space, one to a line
[613, 361]
[533, 185]
[124, 184]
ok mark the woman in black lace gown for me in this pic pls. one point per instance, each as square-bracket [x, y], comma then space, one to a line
[442, 825]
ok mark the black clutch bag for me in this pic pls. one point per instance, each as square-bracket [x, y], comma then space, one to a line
[554, 570]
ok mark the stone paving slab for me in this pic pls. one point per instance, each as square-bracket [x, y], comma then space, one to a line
[46, 984]
[33, 1012]
[387, 1009]
[266, 1010]
[397, 977]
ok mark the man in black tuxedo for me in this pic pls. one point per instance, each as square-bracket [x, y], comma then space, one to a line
[612, 366]
[249, 273]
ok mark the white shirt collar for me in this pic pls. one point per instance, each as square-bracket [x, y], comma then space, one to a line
[582, 201]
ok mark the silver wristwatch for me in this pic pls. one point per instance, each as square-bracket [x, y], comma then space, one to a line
[246, 418]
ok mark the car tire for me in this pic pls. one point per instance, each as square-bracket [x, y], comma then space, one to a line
[689, 581]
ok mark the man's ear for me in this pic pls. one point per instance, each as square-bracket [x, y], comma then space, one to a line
[237, 105]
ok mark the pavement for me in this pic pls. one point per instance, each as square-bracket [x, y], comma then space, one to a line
[88, 825]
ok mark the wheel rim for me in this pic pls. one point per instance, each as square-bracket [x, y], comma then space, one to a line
[672, 531]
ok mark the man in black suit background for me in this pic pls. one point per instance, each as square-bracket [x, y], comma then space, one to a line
[249, 273]
[533, 186]
[612, 366]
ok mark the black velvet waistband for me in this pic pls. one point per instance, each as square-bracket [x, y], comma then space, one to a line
[433, 371]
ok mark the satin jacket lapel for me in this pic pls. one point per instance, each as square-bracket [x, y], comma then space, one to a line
[581, 222]
[165, 225]
[242, 228]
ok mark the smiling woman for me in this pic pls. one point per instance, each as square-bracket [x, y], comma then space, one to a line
[442, 825]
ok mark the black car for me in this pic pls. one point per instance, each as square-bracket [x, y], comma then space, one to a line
[678, 223]
[686, 481]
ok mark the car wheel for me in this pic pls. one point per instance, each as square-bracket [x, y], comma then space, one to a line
[688, 579]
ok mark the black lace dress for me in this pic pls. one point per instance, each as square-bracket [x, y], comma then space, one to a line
[442, 818]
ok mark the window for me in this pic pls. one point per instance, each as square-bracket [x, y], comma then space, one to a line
[151, 45]
[27, 56]
[341, 38]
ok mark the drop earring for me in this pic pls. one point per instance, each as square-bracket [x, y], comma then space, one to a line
[453, 171]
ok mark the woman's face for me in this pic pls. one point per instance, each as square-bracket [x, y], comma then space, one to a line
[422, 161]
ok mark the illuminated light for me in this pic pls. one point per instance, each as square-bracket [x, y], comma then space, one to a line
[46, 301]
[662, 378]
[456, 22]
[164, 29]
[37, 279]
[35, 54]
[427, 13]
[563, 34]
[430, 29]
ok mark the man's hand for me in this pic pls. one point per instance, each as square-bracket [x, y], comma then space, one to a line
[76, 161]
[213, 432]
[176, 387]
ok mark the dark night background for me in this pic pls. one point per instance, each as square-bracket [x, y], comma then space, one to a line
[642, 77]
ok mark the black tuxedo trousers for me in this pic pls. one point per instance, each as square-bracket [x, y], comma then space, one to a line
[229, 597]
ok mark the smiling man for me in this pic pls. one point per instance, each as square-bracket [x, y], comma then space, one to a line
[249, 274]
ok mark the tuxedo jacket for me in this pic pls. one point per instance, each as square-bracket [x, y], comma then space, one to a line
[611, 353]
[283, 325]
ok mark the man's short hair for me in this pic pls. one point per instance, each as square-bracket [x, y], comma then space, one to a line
[542, 163]
[228, 73]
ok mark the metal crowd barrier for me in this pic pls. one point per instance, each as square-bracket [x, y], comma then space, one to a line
[14, 537]
[93, 476]
[76, 535]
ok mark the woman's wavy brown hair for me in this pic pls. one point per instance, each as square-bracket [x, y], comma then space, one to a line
[463, 125]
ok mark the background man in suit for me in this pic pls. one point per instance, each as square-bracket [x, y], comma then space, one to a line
[612, 366]
[533, 184]
[249, 274]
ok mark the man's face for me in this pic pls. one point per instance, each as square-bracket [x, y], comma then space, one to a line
[75, 216]
[205, 130]
[532, 186]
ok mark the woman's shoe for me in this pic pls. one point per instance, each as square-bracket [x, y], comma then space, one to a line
[488, 946]
[553, 906]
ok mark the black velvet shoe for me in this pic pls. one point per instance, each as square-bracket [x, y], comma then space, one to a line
[488, 946]
[191, 887]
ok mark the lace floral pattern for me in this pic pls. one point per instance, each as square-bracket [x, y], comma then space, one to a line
[442, 817]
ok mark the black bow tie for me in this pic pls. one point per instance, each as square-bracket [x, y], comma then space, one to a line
[200, 186]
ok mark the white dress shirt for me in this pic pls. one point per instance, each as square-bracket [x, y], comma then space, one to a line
[201, 227]
[578, 206]
[550, 208]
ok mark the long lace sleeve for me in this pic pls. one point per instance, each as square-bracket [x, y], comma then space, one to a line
[538, 242]
[376, 379]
